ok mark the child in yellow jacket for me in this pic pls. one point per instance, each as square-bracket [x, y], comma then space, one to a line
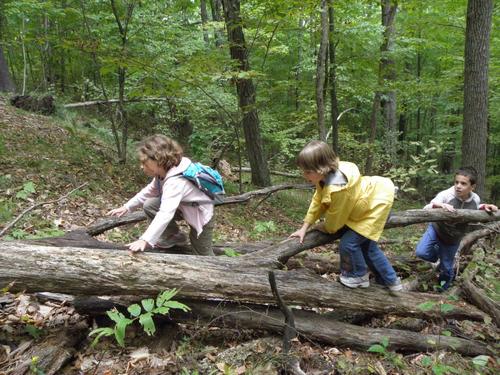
[355, 205]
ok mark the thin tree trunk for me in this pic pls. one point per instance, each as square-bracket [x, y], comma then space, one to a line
[388, 77]
[204, 20]
[247, 95]
[216, 7]
[6, 84]
[320, 72]
[333, 79]
[373, 132]
[477, 47]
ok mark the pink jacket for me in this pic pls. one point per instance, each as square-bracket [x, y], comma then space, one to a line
[175, 191]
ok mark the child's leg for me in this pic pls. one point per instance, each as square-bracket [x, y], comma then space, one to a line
[428, 247]
[379, 264]
[202, 245]
[352, 262]
[151, 207]
[447, 264]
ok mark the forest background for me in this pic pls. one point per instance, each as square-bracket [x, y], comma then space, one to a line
[405, 89]
[383, 81]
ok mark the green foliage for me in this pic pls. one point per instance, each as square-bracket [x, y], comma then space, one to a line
[231, 252]
[28, 188]
[33, 331]
[34, 369]
[143, 313]
[261, 228]
[389, 355]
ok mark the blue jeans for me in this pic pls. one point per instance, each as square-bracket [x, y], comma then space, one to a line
[430, 248]
[358, 253]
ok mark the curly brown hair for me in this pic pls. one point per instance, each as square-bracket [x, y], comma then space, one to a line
[319, 157]
[162, 149]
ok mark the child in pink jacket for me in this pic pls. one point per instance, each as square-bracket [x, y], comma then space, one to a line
[168, 197]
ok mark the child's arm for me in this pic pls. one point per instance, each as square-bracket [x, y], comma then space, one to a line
[120, 211]
[488, 207]
[439, 201]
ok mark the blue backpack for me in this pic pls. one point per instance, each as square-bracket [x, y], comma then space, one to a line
[207, 179]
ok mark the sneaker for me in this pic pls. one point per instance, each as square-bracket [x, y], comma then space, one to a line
[396, 287]
[177, 239]
[355, 282]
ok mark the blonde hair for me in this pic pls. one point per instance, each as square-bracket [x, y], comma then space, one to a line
[162, 149]
[319, 157]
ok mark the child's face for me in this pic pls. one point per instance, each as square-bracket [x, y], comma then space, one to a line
[151, 168]
[312, 176]
[463, 187]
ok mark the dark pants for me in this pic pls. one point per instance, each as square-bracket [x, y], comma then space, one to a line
[201, 245]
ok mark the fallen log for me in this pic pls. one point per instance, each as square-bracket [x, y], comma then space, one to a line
[308, 324]
[36, 268]
[47, 355]
[397, 219]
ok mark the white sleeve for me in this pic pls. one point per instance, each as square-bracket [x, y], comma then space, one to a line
[149, 191]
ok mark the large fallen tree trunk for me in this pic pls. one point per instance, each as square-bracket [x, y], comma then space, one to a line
[113, 272]
[308, 324]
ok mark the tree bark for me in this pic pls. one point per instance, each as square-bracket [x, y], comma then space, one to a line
[333, 78]
[204, 20]
[79, 271]
[320, 72]
[477, 47]
[388, 76]
[6, 84]
[246, 94]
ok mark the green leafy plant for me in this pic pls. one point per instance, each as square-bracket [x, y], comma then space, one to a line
[480, 361]
[34, 369]
[231, 252]
[387, 354]
[150, 307]
[28, 188]
[262, 227]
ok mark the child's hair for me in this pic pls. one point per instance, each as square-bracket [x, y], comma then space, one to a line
[319, 157]
[164, 150]
[469, 172]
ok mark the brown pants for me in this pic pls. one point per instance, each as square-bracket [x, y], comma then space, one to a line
[201, 245]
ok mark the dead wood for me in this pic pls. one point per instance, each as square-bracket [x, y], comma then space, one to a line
[476, 295]
[82, 271]
[397, 219]
[472, 237]
[53, 351]
[277, 173]
[308, 324]
[91, 103]
[479, 298]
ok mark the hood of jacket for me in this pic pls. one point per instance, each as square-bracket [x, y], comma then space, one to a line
[351, 174]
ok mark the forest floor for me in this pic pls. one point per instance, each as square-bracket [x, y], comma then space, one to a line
[43, 158]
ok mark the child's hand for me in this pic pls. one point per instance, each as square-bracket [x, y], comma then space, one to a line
[139, 245]
[447, 207]
[490, 208]
[118, 211]
[300, 234]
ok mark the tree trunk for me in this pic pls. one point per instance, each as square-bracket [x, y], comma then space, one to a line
[320, 72]
[333, 79]
[204, 20]
[79, 271]
[475, 128]
[318, 327]
[6, 84]
[216, 7]
[246, 94]
[388, 77]
[373, 133]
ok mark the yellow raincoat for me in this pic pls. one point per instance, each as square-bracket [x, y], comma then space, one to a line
[363, 203]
